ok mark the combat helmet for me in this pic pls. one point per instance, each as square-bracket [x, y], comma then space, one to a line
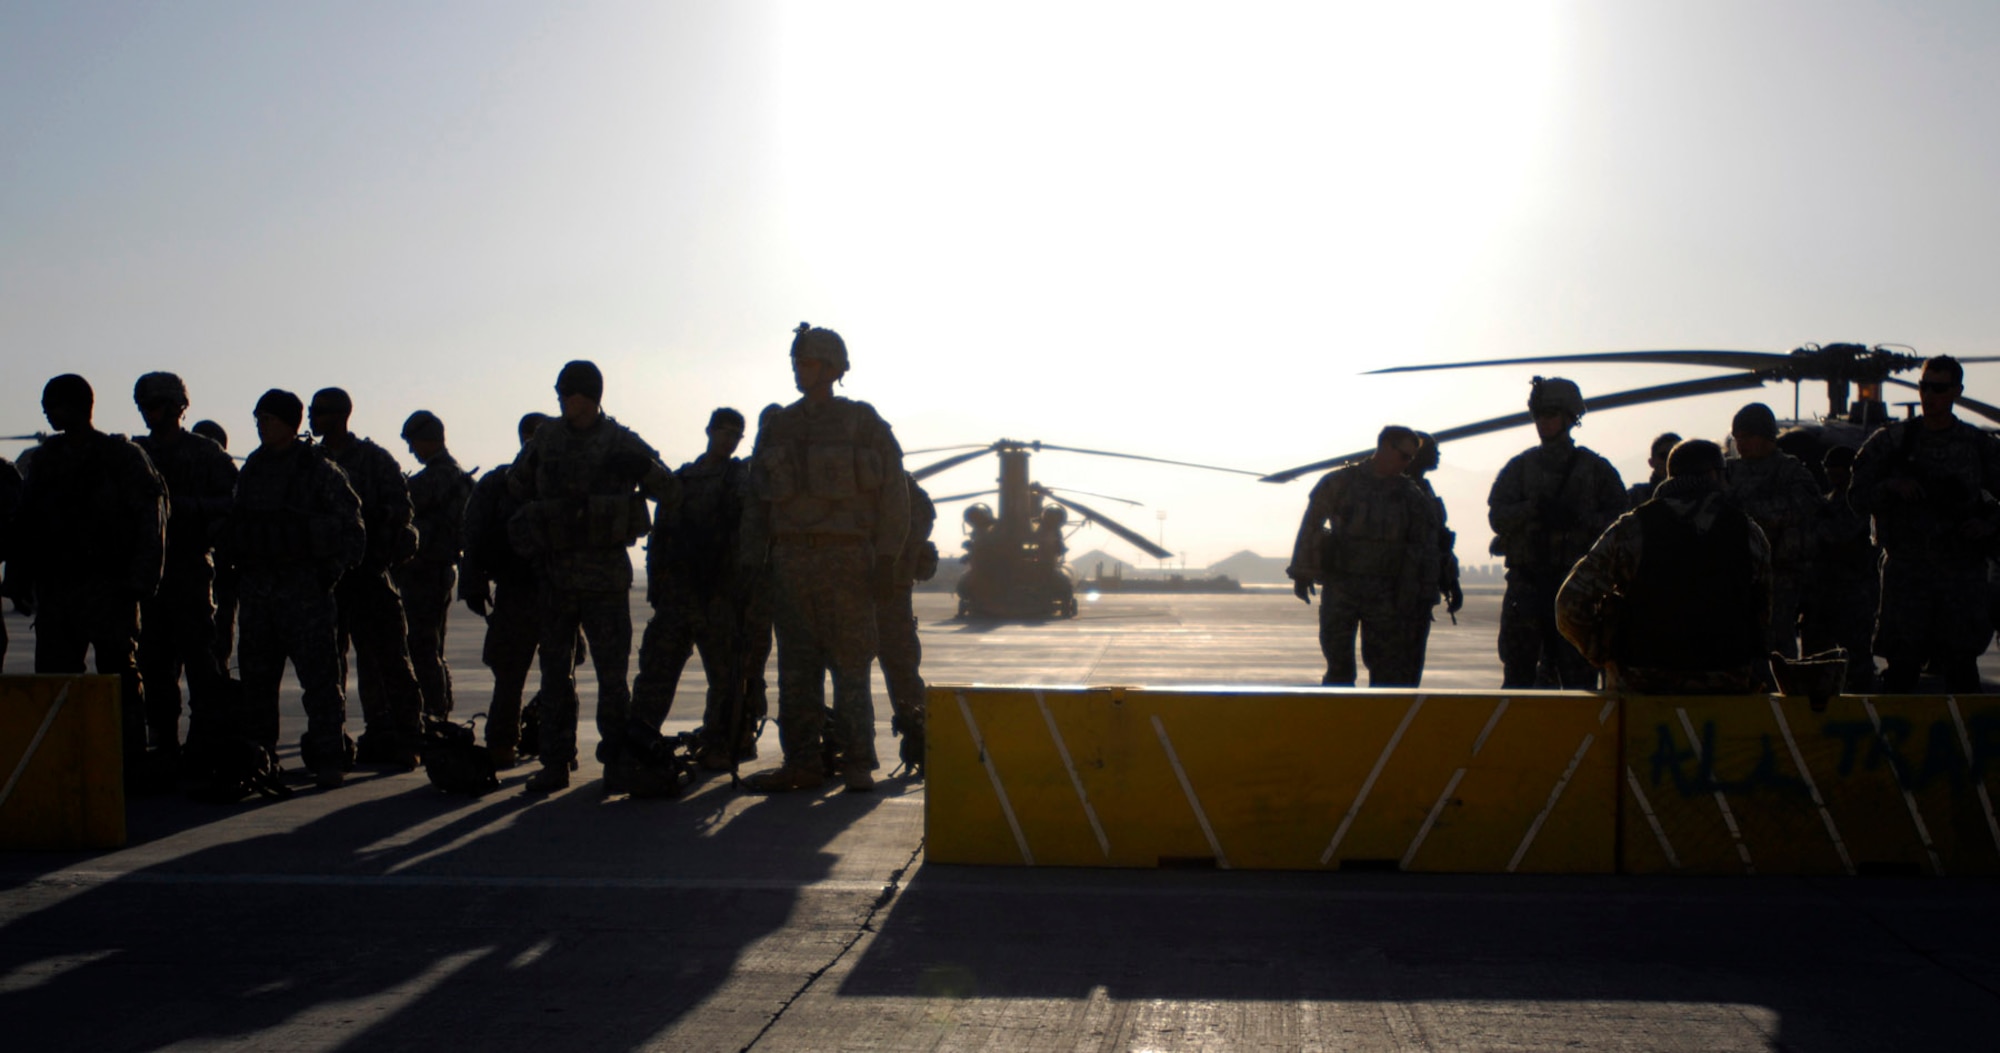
[159, 387]
[1557, 394]
[811, 341]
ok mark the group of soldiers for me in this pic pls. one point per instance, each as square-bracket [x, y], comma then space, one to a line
[1692, 582]
[119, 547]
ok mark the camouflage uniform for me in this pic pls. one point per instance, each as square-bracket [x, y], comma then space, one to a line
[1546, 508]
[438, 494]
[10, 503]
[1779, 493]
[295, 528]
[832, 498]
[1673, 596]
[901, 653]
[582, 507]
[371, 611]
[1373, 543]
[694, 584]
[1934, 546]
[514, 619]
[92, 542]
[177, 625]
[1448, 582]
[1843, 589]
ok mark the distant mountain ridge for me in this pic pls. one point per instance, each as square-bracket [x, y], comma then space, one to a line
[1245, 566]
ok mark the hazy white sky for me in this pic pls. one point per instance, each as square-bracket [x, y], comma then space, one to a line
[1177, 230]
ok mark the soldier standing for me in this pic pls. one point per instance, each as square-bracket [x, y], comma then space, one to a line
[756, 635]
[583, 481]
[10, 504]
[695, 589]
[498, 584]
[834, 504]
[295, 528]
[1844, 588]
[225, 575]
[1449, 587]
[1546, 508]
[92, 544]
[177, 625]
[371, 612]
[902, 652]
[1370, 535]
[438, 493]
[1927, 483]
[1782, 496]
[1656, 460]
[1672, 599]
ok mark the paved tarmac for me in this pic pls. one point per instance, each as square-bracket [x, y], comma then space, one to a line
[385, 915]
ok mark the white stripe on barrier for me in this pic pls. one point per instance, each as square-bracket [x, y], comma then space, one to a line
[1909, 799]
[1369, 783]
[1554, 795]
[1431, 819]
[1721, 802]
[1646, 808]
[1491, 723]
[1812, 787]
[1006, 807]
[1187, 787]
[1965, 740]
[35, 743]
[1062, 750]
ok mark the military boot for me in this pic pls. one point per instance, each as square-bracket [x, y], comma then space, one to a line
[784, 778]
[548, 780]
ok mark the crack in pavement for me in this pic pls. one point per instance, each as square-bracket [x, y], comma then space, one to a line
[888, 893]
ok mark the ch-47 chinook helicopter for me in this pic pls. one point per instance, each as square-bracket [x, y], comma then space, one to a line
[1014, 555]
[1855, 376]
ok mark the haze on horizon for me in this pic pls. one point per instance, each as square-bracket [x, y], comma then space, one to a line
[1173, 230]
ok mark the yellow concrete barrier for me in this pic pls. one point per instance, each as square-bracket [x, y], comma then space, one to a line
[1286, 779]
[1764, 785]
[62, 782]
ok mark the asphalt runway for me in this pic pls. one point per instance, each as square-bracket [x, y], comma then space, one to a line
[385, 915]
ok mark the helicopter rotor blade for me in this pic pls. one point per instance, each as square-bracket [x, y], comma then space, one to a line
[948, 449]
[950, 462]
[1751, 360]
[1136, 457]
[1087, 493]
[1635, 397]
[1137, 539]
[961, 497]
[31, 437]
[1990, 412]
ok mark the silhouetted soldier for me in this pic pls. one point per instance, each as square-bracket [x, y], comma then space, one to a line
[1656, 460]
[583, 480]
[1781, 495]
[1672, 599]
[1844, 586]
[900, 651]
[1928, 482]
[438, 493]
[693, 585]
[225, 575]
[757, 634]
[294, 529]
[1546, 508]
[10, 505]
[499, 585]
[834, 503]
[371, 611]
[1449, 587]
[1370, 536]
[177, 625]
[92, 543]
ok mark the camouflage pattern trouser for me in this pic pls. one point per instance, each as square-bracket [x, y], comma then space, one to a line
[1843, 615]
[371, 620]
[513, 632]
[754, 639]
[1392, 640]
[605, 616]
[177, 633]
[901, 654]
[225, 615]
[73, 617]
[826, 623]
[1528, 638]
[683, 623]
[427, 591]
[1933, 610]
[287, 615]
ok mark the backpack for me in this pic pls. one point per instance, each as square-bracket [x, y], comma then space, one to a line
[454, 760]
[222, 762]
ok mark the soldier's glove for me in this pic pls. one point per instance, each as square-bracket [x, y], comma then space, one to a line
[1454, 597]
[1303, 589]
[882, 577]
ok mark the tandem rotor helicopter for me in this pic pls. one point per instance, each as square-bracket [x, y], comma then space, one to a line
[1014, 554]
[1855, 376]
